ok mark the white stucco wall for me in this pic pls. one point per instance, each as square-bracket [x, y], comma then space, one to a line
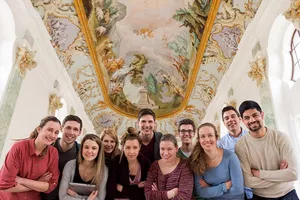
[32, 103]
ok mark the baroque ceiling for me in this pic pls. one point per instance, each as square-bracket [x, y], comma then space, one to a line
[124, 55]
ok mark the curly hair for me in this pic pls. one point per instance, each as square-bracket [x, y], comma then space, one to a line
[198, 160]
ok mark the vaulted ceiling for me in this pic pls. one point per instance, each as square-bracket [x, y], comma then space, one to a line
[123, 55]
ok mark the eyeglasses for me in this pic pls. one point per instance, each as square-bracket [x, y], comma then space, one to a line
[183, 131]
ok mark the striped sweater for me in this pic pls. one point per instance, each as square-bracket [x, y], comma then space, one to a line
[181, 177]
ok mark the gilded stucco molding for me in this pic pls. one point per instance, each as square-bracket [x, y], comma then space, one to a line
[293, 13]
[25, 60]
[54, 104]
[258, 70]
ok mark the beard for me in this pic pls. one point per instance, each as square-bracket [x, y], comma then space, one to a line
[255, 127]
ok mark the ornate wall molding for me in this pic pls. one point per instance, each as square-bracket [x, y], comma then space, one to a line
[258, 70]
[25, 60]
[54, 104]
[293, 13]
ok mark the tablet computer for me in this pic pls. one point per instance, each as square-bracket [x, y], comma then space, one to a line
[82, 189]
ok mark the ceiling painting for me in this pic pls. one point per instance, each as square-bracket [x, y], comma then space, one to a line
[144, 51]
[138, 51]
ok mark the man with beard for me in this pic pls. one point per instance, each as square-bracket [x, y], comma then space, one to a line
[186, 130]
[267, 158]
[150, 138]
[231, 119]
[67, 148]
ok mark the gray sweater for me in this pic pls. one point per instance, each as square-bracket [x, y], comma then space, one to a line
[68, 176]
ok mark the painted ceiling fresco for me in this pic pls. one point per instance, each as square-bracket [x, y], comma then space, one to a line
[145, 51]
[122, 55]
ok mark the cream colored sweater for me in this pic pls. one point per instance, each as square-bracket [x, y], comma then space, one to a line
[265, 154]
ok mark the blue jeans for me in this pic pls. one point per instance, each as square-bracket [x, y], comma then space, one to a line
[292, 195]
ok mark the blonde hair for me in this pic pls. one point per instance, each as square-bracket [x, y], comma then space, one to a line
[43, 122]
[99, 162]
[198, 160]
[113, 134]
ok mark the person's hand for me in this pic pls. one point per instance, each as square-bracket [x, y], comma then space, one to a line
[46, 177]
[141, 184]
[71, 193]
[19, 180]
[284, 164]
[119, 187]
[172, 193]
[255, 173]
[203, 184]
[228, 184]
[93, 195]
[154, 187]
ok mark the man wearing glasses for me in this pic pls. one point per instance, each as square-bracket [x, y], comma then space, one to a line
[186, 130]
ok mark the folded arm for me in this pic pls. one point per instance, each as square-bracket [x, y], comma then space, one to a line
[250, 180]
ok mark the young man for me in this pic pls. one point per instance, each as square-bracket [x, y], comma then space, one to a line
[267, 158]
[67, 147]
[231, 119]
[150, 139]
[186, 130]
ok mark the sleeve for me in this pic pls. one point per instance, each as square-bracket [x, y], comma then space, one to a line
[286, 153]
[65, 180]
[10, 168]
[111, 186]
[186, 183]
[250, 180]
[102, 186]
[153, 178]
[236, 175]
[208, 192]
[53, 168]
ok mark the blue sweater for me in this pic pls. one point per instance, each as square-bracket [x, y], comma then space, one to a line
[228, 169]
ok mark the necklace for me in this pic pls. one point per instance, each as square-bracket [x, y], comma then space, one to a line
[217, 156]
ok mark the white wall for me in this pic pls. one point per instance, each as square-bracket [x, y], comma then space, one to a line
[32, 103]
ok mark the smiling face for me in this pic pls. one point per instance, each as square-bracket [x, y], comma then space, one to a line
[231, 121]
[207, 138]
[109, 144]
[90, 150]
[70, 132]
[167, 151]
[146, 125]
[253, 119]
[48, 133]
[131, 149]
[186, 133]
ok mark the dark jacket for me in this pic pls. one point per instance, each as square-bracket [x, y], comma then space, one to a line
[157, 136]
[119, 174]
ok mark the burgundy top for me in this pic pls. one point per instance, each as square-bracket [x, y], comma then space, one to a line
[22, 161]
[181, 177]
[148, 150]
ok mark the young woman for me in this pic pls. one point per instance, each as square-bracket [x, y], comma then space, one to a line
[170, 177]
[128, 172]
[111, 145]
[89, 168]
[218, 174]
[31, 165]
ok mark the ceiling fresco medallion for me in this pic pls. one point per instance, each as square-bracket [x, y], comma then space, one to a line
[147, 53]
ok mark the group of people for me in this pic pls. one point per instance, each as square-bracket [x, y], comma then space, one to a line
[257, 164]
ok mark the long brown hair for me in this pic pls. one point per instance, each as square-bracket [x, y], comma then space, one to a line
[113, 134]
[198, 160]
[43, 122]
[99, 162]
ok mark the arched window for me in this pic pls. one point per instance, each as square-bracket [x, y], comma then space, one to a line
[295, 54]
